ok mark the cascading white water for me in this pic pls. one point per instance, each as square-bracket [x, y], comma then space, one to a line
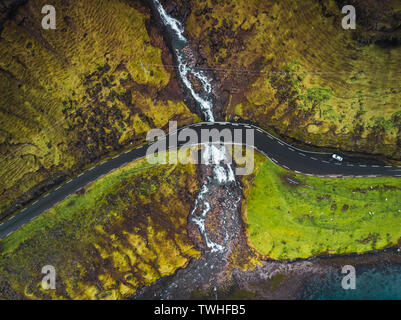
[215, 155]
[174, 24]
[200, 221]
[183, 68]
[205, 105]
[212, 155]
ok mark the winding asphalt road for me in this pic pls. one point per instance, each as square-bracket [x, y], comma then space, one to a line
[318, 164]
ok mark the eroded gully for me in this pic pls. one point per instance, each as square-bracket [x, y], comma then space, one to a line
[214, 223]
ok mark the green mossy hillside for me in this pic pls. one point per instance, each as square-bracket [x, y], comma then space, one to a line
[70, 96]
[289, 65]
[123, 232]
[295, 216]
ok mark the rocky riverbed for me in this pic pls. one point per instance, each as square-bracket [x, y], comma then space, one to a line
[228, 267]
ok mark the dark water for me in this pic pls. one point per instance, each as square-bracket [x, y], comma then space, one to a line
[372, 283]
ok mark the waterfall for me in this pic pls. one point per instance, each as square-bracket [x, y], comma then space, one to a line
[177, 31]
[213, 155]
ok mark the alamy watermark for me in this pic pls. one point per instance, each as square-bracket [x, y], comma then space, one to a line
[349, 281]
[49, 280]
[49, 20]
[349, 21]
[224, 146]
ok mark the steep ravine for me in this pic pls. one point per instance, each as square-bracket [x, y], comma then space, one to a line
[215, 223]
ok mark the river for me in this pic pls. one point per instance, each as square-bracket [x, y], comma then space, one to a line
[214, 223]
[216, 220]
[213, 155]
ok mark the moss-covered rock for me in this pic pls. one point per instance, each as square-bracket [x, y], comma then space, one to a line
[123, 232]
[293, 216]
[72, 95]
[289, 65]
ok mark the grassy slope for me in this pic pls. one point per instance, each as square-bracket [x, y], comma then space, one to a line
[72, 95]
[127, 230]
[316, 216]
[308, 77]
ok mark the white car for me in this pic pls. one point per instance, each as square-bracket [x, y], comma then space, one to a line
[337, 157]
